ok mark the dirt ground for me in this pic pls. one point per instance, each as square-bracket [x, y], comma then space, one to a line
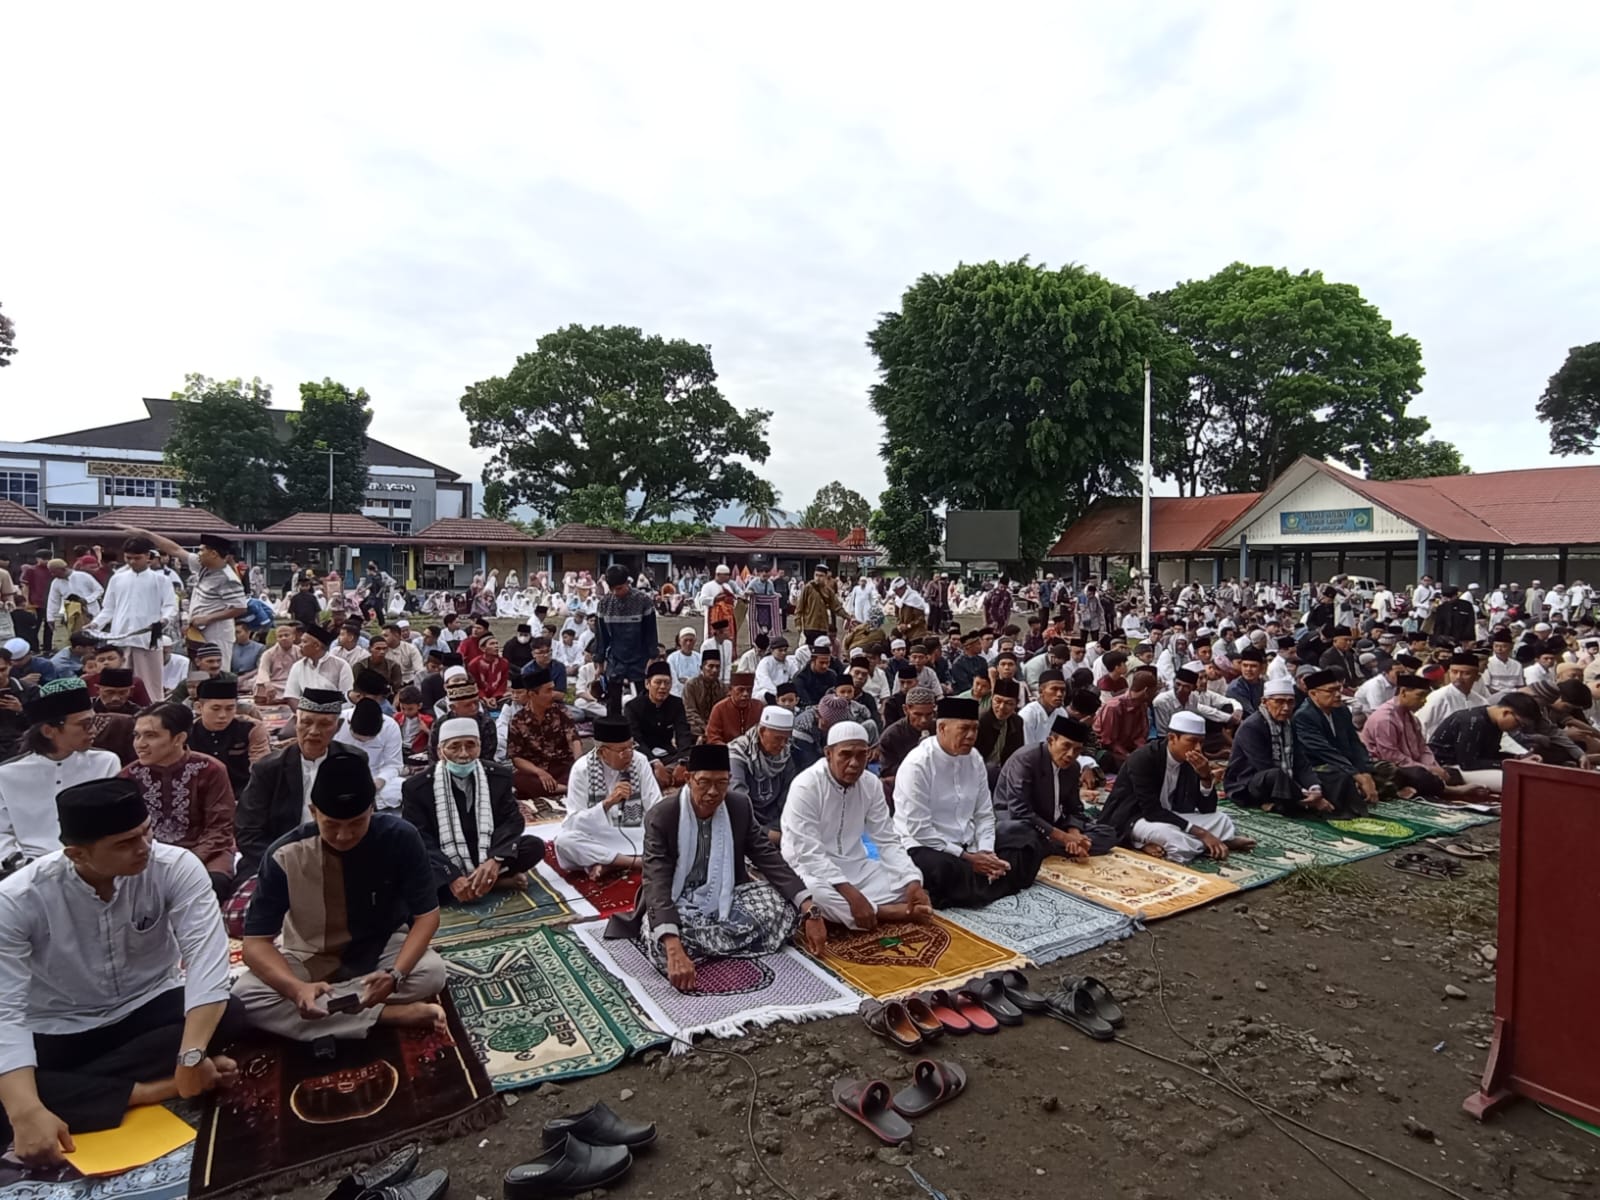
[1324, 998]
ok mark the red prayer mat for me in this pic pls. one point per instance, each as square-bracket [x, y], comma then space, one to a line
[613, 894]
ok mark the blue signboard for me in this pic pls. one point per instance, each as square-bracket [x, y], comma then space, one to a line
[1326, 520]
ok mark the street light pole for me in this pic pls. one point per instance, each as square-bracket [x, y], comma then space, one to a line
[332, 454]
[1144, 514]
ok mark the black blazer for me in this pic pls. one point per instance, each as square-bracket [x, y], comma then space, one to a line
[1026, 791]
[751, 846]
[416, 805]
[1137, 793]
[273, 803]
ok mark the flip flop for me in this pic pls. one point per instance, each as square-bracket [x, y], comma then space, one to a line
[891, 1022]
[1015, 984]
[1456, 851]
[970, 1007]
[932, 1083]
[1415, 862]
[942, 1005]
[1076, 1007]
[923, 1018]
[1105, 1004]
[991, 993]
[869, 1102]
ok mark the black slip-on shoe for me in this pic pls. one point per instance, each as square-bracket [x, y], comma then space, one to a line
[397, 1168]
[599, 1126]
[567, 1169]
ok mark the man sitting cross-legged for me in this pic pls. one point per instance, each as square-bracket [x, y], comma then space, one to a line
[1268, 768]
[1164, 801]
[831, 805]
[1393, 735]
[542, 742]
[352, 897]
[945, 816]
[698, 900]
[471, 825]
[610, 790]
[85, 1034]
[188, 794]
[1041, 786]
[1327, 731]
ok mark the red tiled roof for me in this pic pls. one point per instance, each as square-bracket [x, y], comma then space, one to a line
[1178, 525]
[317, 527]
[856, 539]
[756, 533]
[168, 521]
[1425, 503]
[573, 536]
[1540, 506]
[14, 516]
[796, 541]
[473, 531]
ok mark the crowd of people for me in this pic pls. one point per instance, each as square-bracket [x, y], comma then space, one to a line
[171, 778]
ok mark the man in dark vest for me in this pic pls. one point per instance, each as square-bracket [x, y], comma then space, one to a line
[222, 733]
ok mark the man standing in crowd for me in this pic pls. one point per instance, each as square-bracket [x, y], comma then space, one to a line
[137, 605]
[627, 635]
[216, 597]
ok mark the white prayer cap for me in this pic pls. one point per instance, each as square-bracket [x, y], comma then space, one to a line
[846, 731]
[459, 727]
[686, 631]
[403, 623]
[898, 644]
[724, 569]
[1194, 665]
[1187, 722]
[776, 716]
[1278, 687]
[16, 646]
[821, 642]
[1542, 627]
[456, 672]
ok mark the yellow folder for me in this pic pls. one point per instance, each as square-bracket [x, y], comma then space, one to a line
[146, 1133]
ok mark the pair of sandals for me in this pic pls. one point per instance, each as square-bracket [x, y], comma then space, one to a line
[983, 1006]
[871, 1103]
[1429, 866]
[1087, 1005]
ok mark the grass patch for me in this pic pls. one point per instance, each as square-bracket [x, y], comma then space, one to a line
[1470, 901]
[1321, 883]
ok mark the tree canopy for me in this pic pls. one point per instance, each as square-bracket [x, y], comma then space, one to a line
[331, 417]
[8, 338]
[904, 527]
[1571, 402]
[610, 406]
[223, 441]
[1281, 365]
[1009, 385]
[836, 507]
[1417, 460]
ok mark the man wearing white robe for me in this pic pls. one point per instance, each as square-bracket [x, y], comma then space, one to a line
[776, 668]
[1038, 714]
[137, 605]
[58, 755]
[609, 790]
[378, 737]
[831, 804]
[945, 816]
[684, 662]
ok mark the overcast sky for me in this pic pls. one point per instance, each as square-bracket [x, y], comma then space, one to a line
[406, 197]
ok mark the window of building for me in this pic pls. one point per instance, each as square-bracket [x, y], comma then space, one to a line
[20, 487]
[71, 516]
[397, 526]
[144, 489]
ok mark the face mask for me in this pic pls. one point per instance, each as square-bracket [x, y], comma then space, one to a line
[524, 637]
[461, 770]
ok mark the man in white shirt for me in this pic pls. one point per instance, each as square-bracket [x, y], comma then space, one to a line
[1380, 689]
[1461, 691]
[567, 652]
[1382, 604]
[609, 790]
[684, 662]
[57, 753]
[1422, 599]
[1502, 673]
[368, 730]
[776, 668]
[137, 605]
[863, 598]
[1498, 604]
[1533, 602]
[317, 667]
[1037, 715]
[86, 1035]
[216, 596]
[945, 816]
[80, 586]
[830, 806]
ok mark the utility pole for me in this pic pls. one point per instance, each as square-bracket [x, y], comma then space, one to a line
[333, 454]
[1144, 515]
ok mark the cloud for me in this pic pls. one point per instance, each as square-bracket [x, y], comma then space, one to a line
[406, 203]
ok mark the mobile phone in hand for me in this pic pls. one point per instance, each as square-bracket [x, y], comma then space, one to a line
[345, 1002]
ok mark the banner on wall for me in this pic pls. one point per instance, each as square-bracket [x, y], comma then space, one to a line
[1326, 520]
[444, 556]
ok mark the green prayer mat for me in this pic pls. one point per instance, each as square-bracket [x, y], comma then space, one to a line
[539, 904]
[1382, 831]
[1434, 818]
[537, 1008]
[1260, 866]
[1295, 842]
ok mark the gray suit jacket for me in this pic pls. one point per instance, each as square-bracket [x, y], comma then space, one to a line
[751, 847]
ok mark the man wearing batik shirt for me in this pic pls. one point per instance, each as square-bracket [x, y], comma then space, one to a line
[542, 743]
[189, 795]
[350, 896]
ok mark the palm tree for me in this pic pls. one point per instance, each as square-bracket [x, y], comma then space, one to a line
[764, 516]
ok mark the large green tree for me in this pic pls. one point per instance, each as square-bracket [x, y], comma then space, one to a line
[836, 507]
[608, 405]
[331, 417]
[223, 441]
[1571, 402]
[1417, 460]
[1009, 385]
[905, 528]
[1280, 365]
[8, 337]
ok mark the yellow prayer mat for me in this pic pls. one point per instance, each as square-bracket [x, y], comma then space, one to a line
[904, 957]
[1134, 883]
[146, 1133]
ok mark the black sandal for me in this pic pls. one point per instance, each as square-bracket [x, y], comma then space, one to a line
[1415, 862]
[1105, 1004]
[1015, 986]
[1076, 1007]
[991, 993]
